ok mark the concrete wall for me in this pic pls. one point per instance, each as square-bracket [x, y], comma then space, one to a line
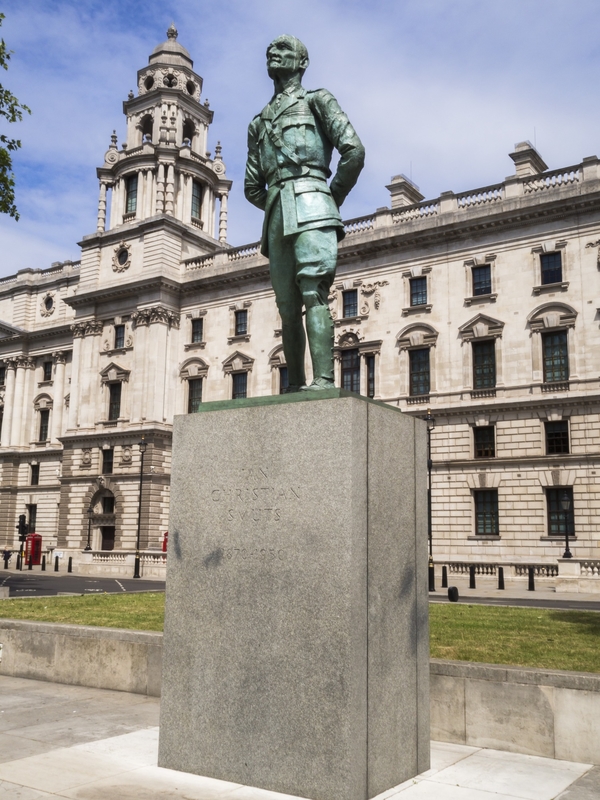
[539, 712]
[104, 658]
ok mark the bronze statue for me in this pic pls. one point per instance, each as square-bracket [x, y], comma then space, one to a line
[290, 144]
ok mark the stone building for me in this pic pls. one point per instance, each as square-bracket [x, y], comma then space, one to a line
[480, 306]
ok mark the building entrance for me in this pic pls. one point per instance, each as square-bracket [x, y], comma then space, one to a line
[108, 537]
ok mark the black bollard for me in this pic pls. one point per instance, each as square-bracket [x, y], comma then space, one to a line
[55, 563]
[453, 594]
[6, 560]
[531, 586]
[70, 564]
[444, 577]
[472, 577]
[431, 572]
[30, 564]
[501, 577]
[19, 561]
[43, 563]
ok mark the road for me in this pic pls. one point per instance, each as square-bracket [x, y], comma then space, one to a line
[36, 584]
[522, 602]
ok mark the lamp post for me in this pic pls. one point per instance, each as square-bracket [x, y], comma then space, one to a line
[565, 504]
[90, 512]
[430, 426]
[136, 570]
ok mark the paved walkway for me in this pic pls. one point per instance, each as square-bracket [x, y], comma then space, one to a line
[94, 744]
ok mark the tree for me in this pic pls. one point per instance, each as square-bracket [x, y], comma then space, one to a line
[12, 110]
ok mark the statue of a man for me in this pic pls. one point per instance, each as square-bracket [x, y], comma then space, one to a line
[290, 144]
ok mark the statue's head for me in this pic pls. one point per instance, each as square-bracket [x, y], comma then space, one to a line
[286, 55]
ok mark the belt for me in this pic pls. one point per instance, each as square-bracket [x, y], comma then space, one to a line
[288, 173]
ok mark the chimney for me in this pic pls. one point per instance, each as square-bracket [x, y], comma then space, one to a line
[404, 192]
[527, 160]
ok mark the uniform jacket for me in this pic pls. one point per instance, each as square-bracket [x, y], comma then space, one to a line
[290, 144]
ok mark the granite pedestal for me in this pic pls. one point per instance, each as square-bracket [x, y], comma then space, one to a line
[296, 654]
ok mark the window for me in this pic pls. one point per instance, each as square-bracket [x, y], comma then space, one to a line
[131, 186]
[47, 366]
[241, 322]
[283, 380]
[551, 264]
[560, 511]
[35, 474]
[484, 441]
[350, 301]
[486, 512]
[44, 420]
[114, 402]
[108, 505]
[482, 280]
[370, 360]
[418, 291]
[196, 199]
[119, 337]
[556, 358]
[2, 376]
[194, 395]
[108, 456]
[484, 364]
[419, 371]
[557, 437]
[197, 330]
[31, 517]
[240, 385]
[351, 371]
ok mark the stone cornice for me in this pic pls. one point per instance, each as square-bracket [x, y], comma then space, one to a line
[157, 222]
[124, 289]
[506, 407]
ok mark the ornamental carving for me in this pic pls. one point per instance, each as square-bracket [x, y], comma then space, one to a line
[121, 259]
[86, 457]
[60, 357]
[368, 289]
[595, 244]
[48, 304]
[126, 455]
[25, 362]
[148, 316]
[90, 326]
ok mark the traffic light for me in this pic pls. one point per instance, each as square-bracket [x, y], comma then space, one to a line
[22, 528]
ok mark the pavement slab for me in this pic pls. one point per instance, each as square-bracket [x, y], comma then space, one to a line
[93, 757]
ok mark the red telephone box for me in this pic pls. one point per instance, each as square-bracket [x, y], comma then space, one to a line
[165, 541]
[33, 548]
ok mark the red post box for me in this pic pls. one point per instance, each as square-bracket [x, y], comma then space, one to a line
[165, 541]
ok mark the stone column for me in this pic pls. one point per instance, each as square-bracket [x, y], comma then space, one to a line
[139, 206]
[78, 330]
[169, 206]
[59, 388]
[148, 194]
[205, 208]
[223, 218]
[102, 207]
[19, 411]
[89, 378]
[9, 402]
[160, 189]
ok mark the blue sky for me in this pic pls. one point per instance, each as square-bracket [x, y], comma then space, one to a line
[437, 89]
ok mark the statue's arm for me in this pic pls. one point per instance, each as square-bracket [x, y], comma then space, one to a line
[343, 137]
[255, 185]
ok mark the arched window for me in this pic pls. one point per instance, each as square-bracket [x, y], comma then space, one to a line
[146, 125]
[189, 131]
[552, 326]
[417, 363]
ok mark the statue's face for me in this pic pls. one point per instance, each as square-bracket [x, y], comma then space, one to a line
[284, 57]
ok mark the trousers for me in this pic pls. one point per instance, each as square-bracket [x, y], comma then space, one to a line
[302, 268]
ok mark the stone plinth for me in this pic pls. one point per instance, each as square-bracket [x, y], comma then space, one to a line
[296, 632]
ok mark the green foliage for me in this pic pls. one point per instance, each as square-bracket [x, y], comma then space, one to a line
[527, 637]
[12, 111]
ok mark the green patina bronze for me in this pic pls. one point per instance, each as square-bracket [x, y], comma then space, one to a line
[290, 144]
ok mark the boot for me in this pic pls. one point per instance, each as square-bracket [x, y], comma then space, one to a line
[319, 327]
[294, 345]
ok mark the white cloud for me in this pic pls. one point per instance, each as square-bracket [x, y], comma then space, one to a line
[442, 87]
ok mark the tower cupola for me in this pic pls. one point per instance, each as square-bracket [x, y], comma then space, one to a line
[164, 166]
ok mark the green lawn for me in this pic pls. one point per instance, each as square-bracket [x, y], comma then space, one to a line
[528, 637]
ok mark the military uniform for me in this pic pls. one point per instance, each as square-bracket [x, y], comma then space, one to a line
[290, 144]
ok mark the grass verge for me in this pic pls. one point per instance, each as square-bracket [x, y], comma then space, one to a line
[143, 612]
[527, 637]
